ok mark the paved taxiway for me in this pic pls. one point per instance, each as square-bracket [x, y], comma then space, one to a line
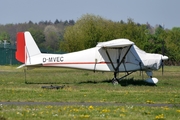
[87, 104]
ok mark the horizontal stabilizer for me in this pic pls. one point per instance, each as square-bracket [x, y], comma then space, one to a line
[23, 65]
[30, 66]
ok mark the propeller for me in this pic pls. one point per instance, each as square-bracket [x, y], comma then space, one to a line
[162, 66]
[163, 57]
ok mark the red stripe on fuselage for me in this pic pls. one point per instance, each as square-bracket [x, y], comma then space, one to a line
[47, 64]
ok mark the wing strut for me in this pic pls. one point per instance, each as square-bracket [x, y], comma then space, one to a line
[116, 69]
[110, 60]
[119, 62]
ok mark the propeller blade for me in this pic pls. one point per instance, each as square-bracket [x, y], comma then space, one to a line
[162, 66]
[163, 57]
[162, 62]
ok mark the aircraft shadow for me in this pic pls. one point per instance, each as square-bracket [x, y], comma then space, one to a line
[127, 82]
[42, 82]
[123, 82]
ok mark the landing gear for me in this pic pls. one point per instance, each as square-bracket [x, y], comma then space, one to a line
[151, 79]
[115, 80]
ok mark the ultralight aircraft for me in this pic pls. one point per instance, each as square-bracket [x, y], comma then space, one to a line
[119, 55]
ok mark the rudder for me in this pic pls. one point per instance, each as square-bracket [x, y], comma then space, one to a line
[20, 47]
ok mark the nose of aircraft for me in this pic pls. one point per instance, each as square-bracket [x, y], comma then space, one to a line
[164, 57]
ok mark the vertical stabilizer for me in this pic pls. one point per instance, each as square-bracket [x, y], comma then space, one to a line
[31, 47]
[26, 47]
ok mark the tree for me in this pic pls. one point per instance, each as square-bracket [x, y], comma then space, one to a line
[51, 38]
[56, 21]
[4, 36]
[156, 41]
[173, 45]
[38, 36]
[87, 31]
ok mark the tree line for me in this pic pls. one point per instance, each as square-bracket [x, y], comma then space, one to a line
[87, 31]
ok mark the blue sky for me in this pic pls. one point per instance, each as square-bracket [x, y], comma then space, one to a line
[163, 12]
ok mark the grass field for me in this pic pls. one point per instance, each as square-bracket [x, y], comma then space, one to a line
[90, 95]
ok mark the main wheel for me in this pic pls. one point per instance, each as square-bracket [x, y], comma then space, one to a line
[115, 81]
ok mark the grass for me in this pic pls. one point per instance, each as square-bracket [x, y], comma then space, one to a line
[128, 100]
[89, 112]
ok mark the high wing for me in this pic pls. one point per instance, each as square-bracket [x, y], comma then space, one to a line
[115, 51]
[118, 43]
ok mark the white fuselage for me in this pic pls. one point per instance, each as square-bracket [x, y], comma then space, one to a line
[118, 55]
[94, 59]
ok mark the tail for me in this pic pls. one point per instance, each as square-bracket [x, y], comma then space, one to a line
[26, 47]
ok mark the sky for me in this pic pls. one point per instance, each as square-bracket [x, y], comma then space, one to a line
[162, 12]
